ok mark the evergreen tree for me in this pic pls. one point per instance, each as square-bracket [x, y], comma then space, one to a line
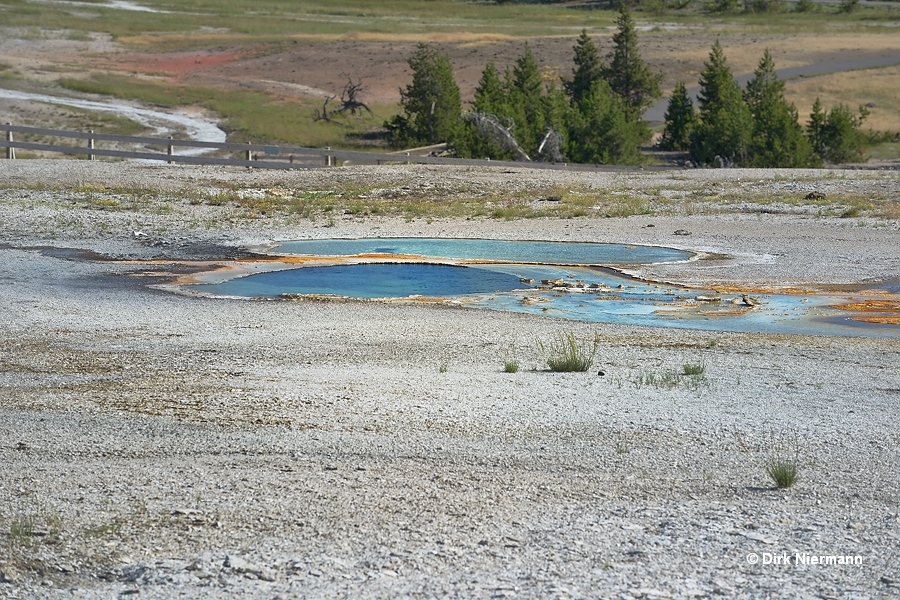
[777, 139]
[490, 95]
[491, 101]
[723, 133]
[557, 114]
[588, 68]
[601, 130]
[680, 121]
[525, 93]
[431, 103]
[839, 138]
[628, 75]
[815, 129]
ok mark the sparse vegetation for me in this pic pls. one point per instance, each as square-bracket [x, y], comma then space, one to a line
[567, 354]
[692, 376]
[693, 369]
[783, 472]
[511, 366]
[36, 520]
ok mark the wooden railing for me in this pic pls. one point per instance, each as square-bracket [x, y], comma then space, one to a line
[260, 156]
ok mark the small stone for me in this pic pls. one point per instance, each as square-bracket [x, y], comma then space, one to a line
[681, 232]
[8, 574]
[759, 538]
[243, 567]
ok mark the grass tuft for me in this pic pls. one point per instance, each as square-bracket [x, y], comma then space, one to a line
[511, 366]
[566, 354]
[693, 370]
[782, 471]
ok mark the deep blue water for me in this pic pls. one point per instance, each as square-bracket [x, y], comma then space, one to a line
[379, 280]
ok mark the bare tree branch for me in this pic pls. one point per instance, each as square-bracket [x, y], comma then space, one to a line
[490, 127]
[349, 101]
[323, 116]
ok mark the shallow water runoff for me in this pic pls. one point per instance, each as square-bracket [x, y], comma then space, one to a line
[579, 281]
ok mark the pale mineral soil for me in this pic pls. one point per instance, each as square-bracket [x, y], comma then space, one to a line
[165, 445]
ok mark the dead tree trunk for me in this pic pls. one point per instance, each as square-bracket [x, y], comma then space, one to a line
[349, 101]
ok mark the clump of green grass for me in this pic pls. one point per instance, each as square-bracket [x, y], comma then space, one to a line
[21, 527]
[566, 354]
[692, 376]
[666, 379]
[511, 366]
[783, 472]
[35, 522]
[693, 369]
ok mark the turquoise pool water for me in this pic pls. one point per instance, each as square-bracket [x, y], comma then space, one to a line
[556, 253]
[567, 280]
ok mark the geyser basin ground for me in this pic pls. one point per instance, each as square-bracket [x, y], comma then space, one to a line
[581, 281]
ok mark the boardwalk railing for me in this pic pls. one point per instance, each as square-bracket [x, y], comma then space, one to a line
[260, 156]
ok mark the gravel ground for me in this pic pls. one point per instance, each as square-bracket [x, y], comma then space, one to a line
[163, 445]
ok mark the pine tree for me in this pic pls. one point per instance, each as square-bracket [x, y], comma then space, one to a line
[839, 138]
[588, 68]
[627, 73]
[680, 121]
[723, 133]
[491, 103]
[777, 139]
[557, 114]
[815, 128]
[525, 92]
[601, 130]
[431, 103]
[490, 96]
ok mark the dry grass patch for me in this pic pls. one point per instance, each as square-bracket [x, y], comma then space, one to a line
[875, 87]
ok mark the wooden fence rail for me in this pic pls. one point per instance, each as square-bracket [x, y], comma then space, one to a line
[260, 156]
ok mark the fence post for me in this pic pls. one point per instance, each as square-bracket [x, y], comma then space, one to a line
[327, 157]
[10, 151]
[170, 151]
[91, 146]
[249, 153]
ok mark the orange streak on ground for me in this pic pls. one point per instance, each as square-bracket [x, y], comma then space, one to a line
[891, 308]
[176, 63]
[882, 320]
[873, 306]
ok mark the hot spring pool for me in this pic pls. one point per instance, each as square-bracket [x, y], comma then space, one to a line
[577, 281]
